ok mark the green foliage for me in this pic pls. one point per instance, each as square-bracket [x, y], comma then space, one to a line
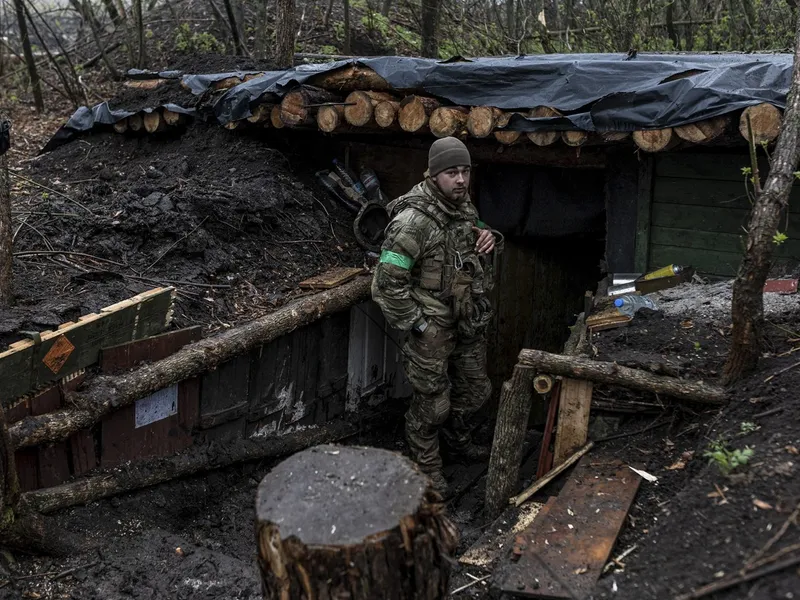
[746, 171]
[326, 49]
[747, 427]
[187, 41]
[725, 458]
[779, 238]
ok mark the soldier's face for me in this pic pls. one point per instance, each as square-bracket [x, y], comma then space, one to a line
[454, 183]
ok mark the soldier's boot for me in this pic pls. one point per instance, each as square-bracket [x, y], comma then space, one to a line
[468, 453]
[438, 482]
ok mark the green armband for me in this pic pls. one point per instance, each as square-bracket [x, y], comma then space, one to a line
[480, 224]
[399, 260]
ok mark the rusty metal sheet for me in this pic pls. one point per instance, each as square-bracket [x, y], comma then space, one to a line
[331, 279]
[781, 286]
[124, 356]
[563, 554]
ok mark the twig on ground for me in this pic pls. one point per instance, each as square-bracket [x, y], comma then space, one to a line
[470, 584]
[151, 265]
[51, 190]
[618, 560]
[725, 584]
[632, 433]
[767, 413]
[782, 371]
[171, 281]
[778, 535]
[56, 574]
[48, 252]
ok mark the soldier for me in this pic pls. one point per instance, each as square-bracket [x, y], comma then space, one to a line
[432, 280]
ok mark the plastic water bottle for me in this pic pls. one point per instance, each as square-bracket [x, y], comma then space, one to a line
[630, 303]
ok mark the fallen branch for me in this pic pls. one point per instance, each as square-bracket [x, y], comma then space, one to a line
[782, 371]
[195, 460]
[540, 483]
[728, 583]
[470, 584]
[614, 374]
[106, 393]
[51, 190]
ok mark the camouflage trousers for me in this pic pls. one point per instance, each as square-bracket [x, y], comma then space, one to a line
[448, 374]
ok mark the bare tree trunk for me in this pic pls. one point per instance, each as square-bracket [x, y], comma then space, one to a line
[751, 22]
[551, 15]
[284, 33]
[386, 7]
[36, 85]
[346, 46]
[6, 235]
[630, 25]
[142, 58]
[112, 11]
[327, 20]
[510, 20]
[747, 307]
[237, 38]
[671, 31]
[101, 48]
[689, 27]
[430, 26]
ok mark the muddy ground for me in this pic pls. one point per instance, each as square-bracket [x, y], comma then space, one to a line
[685, 531]
[233, 223]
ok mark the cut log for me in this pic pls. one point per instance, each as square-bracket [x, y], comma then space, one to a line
[173, 119]
[509, 433]
[275, 117]
[121, 126]
[615, 136]
[229, 82]
[482, 120]
[448, 120]
[261, 113]
[703, 131]
[351, 522]
[415, 111]
[543, 138]
[145, 84]
[194, 460]
[574, 138]
[349, 79]
[153, 122]
[295, 109]
[362, 111]
[106, 393]
[506, 137]
[386, 113]
[330, 118]
[613, 374]
[765, 120]
[654, 140]
[135, 122]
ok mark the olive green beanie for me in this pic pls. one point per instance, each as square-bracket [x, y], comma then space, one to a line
[447, 153]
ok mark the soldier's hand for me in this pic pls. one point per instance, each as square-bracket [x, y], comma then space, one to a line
[485, 242]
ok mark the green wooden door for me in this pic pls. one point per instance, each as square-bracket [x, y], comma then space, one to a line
[699, 214]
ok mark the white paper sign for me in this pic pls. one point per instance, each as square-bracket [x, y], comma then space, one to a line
[162, 404]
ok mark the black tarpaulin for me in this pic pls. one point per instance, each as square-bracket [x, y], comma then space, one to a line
[597, 92]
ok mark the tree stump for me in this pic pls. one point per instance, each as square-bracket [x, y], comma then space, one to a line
[351, 522]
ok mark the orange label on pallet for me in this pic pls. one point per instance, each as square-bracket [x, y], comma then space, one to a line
[58, 354]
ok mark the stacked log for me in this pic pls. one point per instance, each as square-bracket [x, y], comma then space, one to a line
[654, 140]
[261, 114]
[574, 138]
[359, 109]
[330, 118]
[543, 138]
[299, 107]
[482, 120]
[506, 137]
[135, 123]
[121, 126]
[703, 132]
[153, 122]
[275, 117]
[448, 120]
[386, 113]
[415, 112]
[765, 122]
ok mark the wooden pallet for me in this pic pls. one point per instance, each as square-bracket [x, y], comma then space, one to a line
[30, 364]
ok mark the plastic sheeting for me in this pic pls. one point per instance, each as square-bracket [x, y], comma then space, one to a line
[597, 92]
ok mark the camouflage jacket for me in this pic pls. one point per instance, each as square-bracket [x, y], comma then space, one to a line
[429, 243]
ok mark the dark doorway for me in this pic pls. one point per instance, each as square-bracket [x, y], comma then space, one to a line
[553, 220]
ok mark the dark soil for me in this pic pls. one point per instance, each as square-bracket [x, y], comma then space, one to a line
[233, 223]
[136, 100]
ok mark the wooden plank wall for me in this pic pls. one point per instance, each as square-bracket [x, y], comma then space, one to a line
[699, 213]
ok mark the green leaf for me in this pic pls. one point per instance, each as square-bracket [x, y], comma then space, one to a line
[779, 238]
[747, 171]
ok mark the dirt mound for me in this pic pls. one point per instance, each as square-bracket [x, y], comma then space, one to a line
[231, 222]
[136, 100]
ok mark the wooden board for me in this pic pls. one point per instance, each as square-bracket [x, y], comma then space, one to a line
[562, 555]
[709, 192]
[575, 399]
[643, 214]
[28, 365]
[224, 398]
[331, 279]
